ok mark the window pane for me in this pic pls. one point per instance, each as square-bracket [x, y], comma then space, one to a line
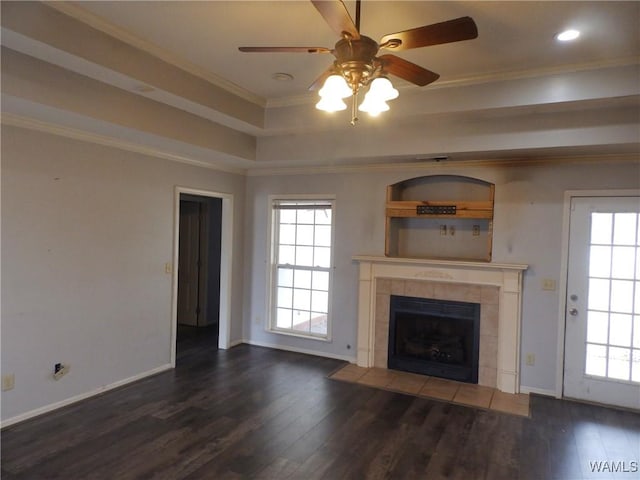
[285, 297]
[637, 300]
[619, 363]
[597, 327]
[301, 320]
[322, 257]
[287, 234]
[636, 331]
[624, 229]
[305, 235]
[321, 281]
[323, 236]
[287, 216]
[304, 256]
[323, 217]
[596, 360]
[319, 301]
[284, 318]
[306, 217]
[621, 296]
[620, 330]
[301, 299]
[623, 262]
[635, 366]
[319, 323]
[599, 261]
[601, 224]
[303, 279]
[285, 277]
[598, 294]
[286, 255]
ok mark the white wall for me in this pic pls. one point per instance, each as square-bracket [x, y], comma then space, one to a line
[86, 232]
[527, 229]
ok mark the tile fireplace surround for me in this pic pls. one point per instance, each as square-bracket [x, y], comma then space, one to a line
[496, 287]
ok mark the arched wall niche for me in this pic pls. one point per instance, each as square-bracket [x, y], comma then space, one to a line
[440, 216]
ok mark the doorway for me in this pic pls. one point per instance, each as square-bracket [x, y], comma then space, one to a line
[203, 234]
[602, 307]
[199, 258]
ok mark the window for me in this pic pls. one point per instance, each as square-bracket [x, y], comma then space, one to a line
[301, 267]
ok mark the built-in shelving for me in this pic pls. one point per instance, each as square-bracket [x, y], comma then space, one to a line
[440, 216]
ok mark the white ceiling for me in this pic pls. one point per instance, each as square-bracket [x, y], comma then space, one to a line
[513, 92]
[514, 37]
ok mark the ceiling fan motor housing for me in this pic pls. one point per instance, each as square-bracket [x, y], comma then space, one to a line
[356, 60]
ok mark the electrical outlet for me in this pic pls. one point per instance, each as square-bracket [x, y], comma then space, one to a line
[60, 370]
[8, 382]
[530, 359]
[443, 229]
[475, 231]
[452, 230]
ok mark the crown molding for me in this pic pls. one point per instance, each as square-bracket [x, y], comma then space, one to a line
[28, 123]
[447, 165]
[492, 77]
[126, 36]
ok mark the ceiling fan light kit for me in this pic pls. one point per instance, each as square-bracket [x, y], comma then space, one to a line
[357, 67]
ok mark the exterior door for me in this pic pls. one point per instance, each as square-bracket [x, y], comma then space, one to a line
[602, 340]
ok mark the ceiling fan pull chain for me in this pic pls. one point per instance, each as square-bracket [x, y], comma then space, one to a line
[354, 109]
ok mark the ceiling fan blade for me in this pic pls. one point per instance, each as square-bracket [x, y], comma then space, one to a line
[285, 49]
[463, 28]
[318, 82]
[336, 15]
[407, 70]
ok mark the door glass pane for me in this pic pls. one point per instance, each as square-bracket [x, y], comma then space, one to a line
[599, 261]
[598, 294]
[596, 363]
[624, 229]
[635, 366]
[619, 363]
[613, 316]
[623, 262]
[597, 327]
[621, 296]
[620, 330]
[601, 224]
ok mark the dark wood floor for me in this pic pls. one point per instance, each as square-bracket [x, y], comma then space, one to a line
[251, 412]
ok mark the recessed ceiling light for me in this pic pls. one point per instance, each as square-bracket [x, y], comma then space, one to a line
[568, 35]
[282, 77]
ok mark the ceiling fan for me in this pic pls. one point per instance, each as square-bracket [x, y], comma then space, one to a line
[358, 65]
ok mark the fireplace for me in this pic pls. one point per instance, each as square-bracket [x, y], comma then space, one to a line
[497, 287]
[434, 337]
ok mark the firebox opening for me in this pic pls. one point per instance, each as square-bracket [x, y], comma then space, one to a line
[434, 337]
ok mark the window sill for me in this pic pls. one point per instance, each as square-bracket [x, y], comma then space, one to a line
[298, 335]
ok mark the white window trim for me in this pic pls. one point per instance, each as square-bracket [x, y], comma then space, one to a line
[271, 245]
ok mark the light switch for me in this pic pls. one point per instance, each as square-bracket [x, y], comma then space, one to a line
[168, 268]
[548, 284]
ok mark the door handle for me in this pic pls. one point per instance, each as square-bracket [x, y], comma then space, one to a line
[573, 312]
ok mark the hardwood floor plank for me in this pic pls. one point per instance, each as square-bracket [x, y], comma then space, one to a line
[256, 413]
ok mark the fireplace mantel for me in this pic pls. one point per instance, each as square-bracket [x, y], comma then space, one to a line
[507, 277]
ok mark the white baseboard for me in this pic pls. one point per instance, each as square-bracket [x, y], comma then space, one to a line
[539, 391]
[68, 401]
[287, 348]
[235, 343]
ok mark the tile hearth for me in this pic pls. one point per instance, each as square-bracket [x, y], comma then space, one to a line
[435, 388]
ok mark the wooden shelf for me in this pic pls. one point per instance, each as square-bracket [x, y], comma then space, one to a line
[414, 227]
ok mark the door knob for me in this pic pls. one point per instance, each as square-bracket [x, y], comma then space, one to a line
[573, 312]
